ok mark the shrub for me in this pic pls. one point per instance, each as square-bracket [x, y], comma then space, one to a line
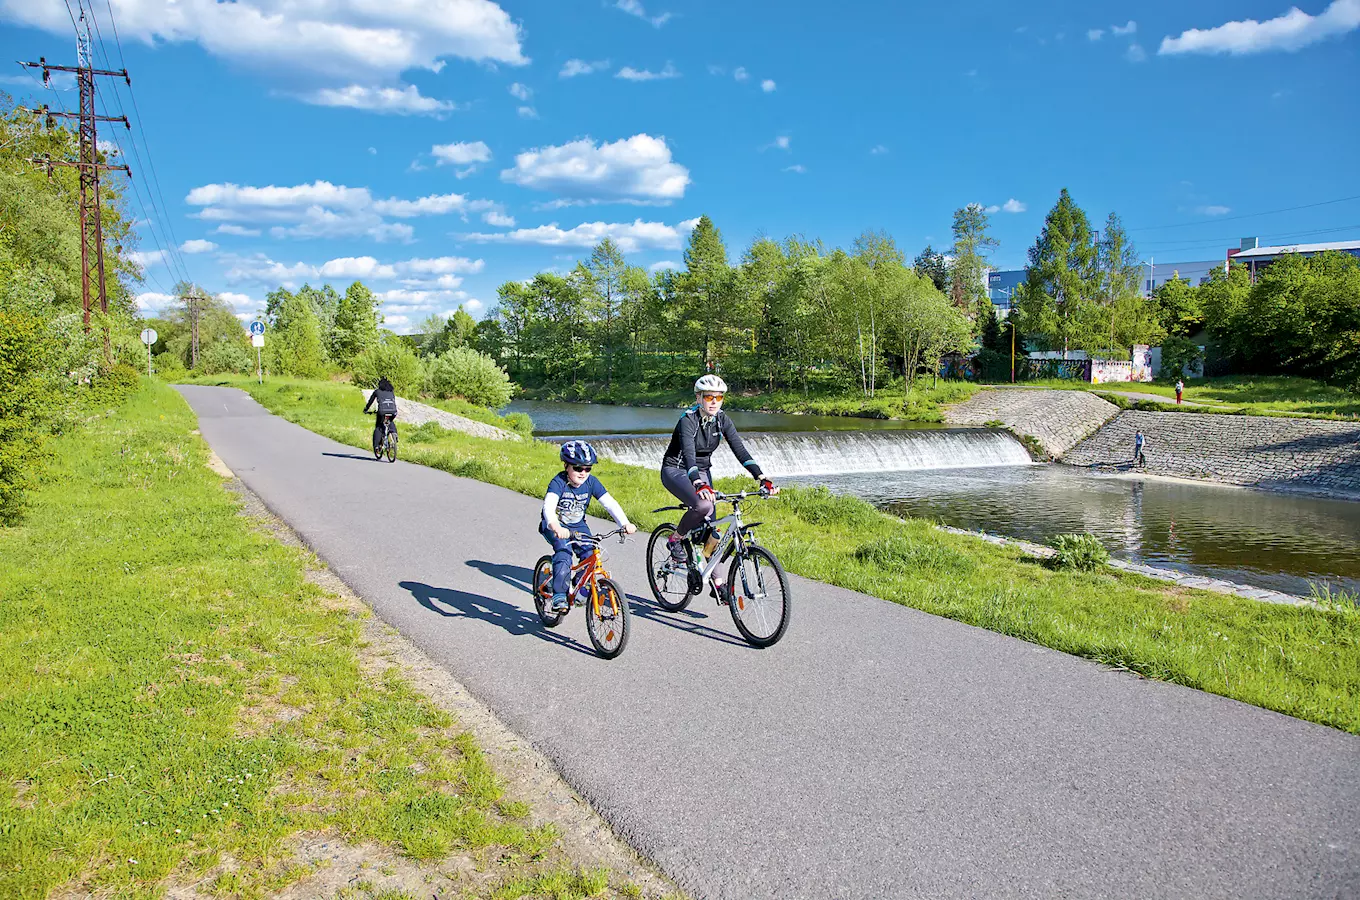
[463, 372]
[1180, 357]
[1081, 552]
[393, 359]
[25, 405]
[225, 356]
[520, 423]
[168, 366]
[818, 506]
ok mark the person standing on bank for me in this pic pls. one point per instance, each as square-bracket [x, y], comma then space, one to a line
[1180, 389]
[686, 467]
[1138, 443]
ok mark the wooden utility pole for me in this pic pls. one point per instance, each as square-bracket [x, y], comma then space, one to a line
[91, 229]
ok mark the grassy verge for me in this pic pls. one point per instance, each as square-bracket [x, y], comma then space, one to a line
[177, 700]
[1235, 395]
[924, 405]
[1304, 662]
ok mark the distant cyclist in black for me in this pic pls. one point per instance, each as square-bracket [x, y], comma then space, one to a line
[386, 397]
[685, 469]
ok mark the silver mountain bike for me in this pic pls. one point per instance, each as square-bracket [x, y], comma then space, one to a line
[757, 590]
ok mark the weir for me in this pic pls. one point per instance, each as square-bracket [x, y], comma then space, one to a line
[783, 454]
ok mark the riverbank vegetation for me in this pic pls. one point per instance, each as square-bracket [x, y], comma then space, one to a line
[1248, 395]
[1301, 661]
[206, 703]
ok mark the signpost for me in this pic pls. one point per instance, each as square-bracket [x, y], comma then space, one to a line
[257, 340]
[148, 337]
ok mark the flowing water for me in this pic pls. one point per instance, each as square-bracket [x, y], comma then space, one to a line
[983, 479]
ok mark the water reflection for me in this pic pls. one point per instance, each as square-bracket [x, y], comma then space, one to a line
[1271, 540]
[551, 418]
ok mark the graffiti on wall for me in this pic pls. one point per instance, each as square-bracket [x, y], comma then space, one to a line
[1067, 369]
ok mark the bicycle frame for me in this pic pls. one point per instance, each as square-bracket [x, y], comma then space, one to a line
[734, 533]
[590, 567]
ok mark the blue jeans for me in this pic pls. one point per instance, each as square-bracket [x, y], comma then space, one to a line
[562, 553]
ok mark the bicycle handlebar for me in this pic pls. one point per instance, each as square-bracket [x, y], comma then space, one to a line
[719, 497]
[598, 538]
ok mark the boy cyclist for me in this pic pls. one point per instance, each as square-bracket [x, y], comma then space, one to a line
[564, 513]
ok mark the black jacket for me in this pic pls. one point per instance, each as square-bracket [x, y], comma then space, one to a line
[694, 440]
[386, 400]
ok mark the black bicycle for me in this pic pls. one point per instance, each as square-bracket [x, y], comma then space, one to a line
[389, 441]
[757, 590]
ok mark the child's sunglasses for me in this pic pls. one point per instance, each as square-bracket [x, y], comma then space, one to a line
[579, 468]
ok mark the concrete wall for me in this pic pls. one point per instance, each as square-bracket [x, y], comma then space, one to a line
[1309, 455]
[1056, 419]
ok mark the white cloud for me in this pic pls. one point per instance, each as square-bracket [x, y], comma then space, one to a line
[639, 167]
[635, 8]
[1121, 30]
[740, 73]
[574, 67]
[498, 219]
[628, 73]
[461, 154]
[1289, 32]
[1013, 206]
[629, 236]
[665, 264]
[796, 168]
[471, 306]
[527, 112]
[1135, 53]
[406, 101]
[767, 85]
[356, 267]
[781, 142]
[991, 209]
[1213, 210]
[237, 230]
[443, 265]
[1094, 34]
[318, 210]
[147, 258]
[877, 150]
[242, 304]
[197, 246]
[372, 151]
[152, 302]
[108, 147]
[327, 43]
[439, 271]
[520, 92]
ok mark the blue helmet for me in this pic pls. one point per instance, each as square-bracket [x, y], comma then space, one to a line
[578, 453]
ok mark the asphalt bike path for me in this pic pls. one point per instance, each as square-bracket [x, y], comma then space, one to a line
[875, 752]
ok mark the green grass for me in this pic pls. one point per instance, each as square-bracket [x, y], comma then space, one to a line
[1265, 395]
[925, 404]
[175, 693]
[1300, 661]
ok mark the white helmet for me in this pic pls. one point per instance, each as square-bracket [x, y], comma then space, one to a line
[710, 383]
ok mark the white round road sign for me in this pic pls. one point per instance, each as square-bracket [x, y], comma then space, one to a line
[149, 336]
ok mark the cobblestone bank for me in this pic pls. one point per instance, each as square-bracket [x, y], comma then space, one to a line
[412, 413]
[1058, 420]
[1273, 453]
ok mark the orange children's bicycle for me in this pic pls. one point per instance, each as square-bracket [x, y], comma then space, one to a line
[607, 616]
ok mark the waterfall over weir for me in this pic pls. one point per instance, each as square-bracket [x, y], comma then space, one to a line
[783, 454]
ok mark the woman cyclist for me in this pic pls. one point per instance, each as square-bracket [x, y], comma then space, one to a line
[685, 469]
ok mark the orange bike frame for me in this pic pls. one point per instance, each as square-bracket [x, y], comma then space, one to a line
[591, 563]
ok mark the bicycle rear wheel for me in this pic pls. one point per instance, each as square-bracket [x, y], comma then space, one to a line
[670, 583]
[541, 587]
[608, 629]
[760, 601]
[392, 448]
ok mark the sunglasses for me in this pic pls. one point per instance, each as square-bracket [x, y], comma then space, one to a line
[708, 397]
[579, 468]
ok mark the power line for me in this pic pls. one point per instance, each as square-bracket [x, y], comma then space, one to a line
[1216, 219]
[1216, 241]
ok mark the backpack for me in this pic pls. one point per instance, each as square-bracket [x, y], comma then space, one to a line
[387, 404]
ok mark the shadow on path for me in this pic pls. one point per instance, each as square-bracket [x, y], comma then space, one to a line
[686, 620]
[454, 604]
[352, 456]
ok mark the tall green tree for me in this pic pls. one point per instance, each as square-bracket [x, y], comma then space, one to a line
[704, 288]
[356, 324]
[1055, 297]
[607, 269]
[968, 271]
[297, 347]
[930, 263]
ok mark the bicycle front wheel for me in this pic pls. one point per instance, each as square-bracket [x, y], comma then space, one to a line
[542, 590]
[670, 583]
[392, 448]
[608, 623]
[760, 602]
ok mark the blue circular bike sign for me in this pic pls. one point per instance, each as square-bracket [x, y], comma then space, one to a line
[257, 328]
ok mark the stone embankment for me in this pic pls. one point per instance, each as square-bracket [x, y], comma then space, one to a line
[412, 413]
[1058, 420]
[1308, 455]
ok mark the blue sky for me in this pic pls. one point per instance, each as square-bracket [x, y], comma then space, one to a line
[437, 148]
